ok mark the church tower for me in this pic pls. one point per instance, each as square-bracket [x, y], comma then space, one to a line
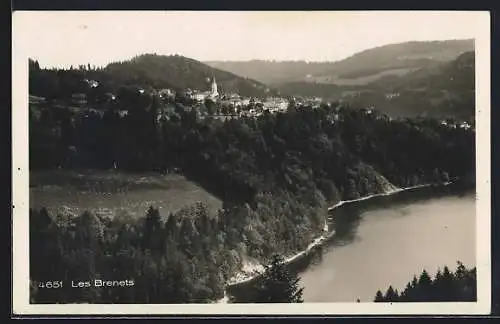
[214, 93]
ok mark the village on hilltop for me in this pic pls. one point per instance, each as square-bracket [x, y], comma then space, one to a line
[225, 104]
[208, 102]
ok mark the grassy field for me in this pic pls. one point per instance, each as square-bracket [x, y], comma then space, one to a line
[361, 80]
[112, 193]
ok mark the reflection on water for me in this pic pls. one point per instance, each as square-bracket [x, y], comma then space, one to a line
[384, 241]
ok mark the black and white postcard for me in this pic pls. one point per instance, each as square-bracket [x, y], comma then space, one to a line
[244, 162]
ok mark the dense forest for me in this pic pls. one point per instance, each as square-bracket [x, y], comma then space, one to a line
[185, 259]
[277, 174]
[341, 150]
[446, 286]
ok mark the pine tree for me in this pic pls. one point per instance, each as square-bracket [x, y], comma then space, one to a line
[425, 279]
[391, 294]
[379, 297]
[406, 294]
[278, 284]
[424, 291]
[414, 282]
[447, 289]
[153, 229]
[437, 284]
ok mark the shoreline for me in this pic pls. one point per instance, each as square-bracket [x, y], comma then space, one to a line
[391, 192]
[242, 277]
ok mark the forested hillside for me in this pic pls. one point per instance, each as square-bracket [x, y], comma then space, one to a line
[181, 73]
[445, 90]
[409, 55]
[455, 76]
[148, 71]
[277, 175]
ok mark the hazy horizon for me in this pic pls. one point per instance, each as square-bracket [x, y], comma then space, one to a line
[64, 38]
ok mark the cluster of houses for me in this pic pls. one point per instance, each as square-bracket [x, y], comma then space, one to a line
[91, 83]
[390, 96]
[229, 104]
[450, 124]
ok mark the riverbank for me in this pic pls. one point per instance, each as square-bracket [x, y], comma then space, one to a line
[388, 193]
[253, 270]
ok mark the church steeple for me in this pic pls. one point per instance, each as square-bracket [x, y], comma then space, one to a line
[214, 87]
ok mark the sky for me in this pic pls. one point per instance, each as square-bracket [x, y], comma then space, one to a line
[63, 38]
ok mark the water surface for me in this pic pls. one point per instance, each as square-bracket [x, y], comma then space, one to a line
[384, 241]
[386, 244]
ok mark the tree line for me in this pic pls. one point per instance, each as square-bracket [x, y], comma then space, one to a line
[342, 152]
[183, 259]
[186, 257]
[446, 286]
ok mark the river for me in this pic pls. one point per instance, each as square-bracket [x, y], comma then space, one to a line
[385, 241]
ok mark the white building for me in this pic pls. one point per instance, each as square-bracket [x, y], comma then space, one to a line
[213, 94]
[465, 125]
[92, 83]
[199, 96]
[245, 102]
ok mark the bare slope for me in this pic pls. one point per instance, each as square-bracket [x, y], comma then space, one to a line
[112, 193]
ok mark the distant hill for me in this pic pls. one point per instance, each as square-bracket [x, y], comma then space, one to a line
[379, 61]
[146, 71]
[457, 75]
[445, 89]
[271, 72]
[409, 56]
[311, 89]
[180, 73]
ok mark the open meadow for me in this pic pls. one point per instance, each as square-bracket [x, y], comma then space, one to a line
[110, 193]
